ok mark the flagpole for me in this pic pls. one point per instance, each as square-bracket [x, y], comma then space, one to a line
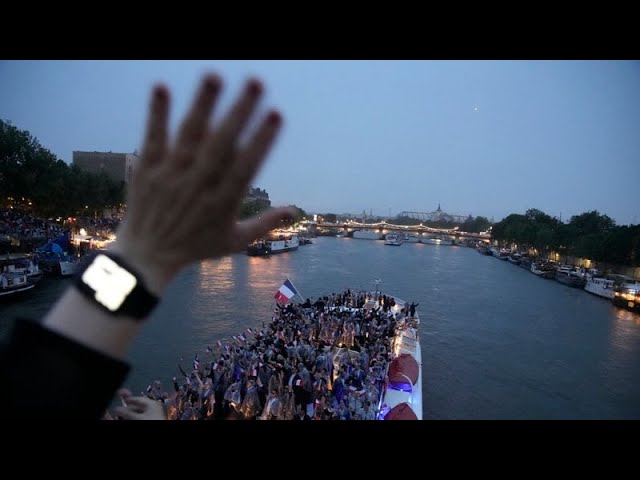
[297, 291]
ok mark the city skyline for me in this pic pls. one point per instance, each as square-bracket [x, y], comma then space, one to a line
[485, 138]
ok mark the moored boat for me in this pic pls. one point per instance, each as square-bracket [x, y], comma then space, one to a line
[543, 269]
[393, 239]
[502, 254]
[21, 264]
[367, 235]
[276, 243]
[411, 238]
[436, 241]
[569, 276]
[12, 283]
[68, 265]
[514, 258]
[628, 296]
[604, 286]
[483, 249]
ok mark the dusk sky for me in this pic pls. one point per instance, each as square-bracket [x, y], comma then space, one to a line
[479, 137]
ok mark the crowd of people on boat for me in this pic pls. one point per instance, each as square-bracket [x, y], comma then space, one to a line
[325, 360]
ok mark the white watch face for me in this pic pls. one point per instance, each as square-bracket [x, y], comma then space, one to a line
[110, 281]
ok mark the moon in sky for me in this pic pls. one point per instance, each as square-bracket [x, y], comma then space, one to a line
[475, 109]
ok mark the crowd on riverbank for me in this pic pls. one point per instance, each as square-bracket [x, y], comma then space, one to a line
[23, 226]
[325, 360]
[24, 231]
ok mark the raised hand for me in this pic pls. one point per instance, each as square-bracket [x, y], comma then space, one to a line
[139, 408]
[184, 196]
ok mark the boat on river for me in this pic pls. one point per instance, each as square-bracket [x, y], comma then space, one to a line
[605, 286]
[354, 355]
[628, 296]
[394, 239]
[277, 242]
[570, 276]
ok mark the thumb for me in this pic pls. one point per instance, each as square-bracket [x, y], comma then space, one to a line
[255, 227]
[127, 413]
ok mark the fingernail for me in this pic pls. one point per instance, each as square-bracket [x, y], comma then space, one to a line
[254, 86]
[274, 118]
[160, 92]
[212, 83]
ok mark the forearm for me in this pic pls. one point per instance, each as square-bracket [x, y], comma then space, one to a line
[76, 317]
[76, 380]
[83, 320]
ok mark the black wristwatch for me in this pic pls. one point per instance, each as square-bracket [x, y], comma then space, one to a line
[109, 282]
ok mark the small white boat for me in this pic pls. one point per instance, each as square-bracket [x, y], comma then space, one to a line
[570, 276]
[367, 235]
[543, 269]
[393, 239]
[68, 265]
[605, 286]
[21, 264]
[628, 296]
[412, 238]
[437, 241]
[14, 283]
[277, 243]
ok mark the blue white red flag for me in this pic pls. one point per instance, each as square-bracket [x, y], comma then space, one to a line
[286, 292]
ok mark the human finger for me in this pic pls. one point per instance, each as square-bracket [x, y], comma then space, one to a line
[155, 142]
[196, 123]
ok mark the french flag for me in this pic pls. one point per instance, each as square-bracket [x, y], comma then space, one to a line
[286, 292]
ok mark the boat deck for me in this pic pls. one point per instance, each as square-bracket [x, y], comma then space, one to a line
[320, 338]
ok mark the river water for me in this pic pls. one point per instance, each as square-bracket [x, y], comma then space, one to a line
[497, 341]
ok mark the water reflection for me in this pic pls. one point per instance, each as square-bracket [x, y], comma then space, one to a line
[627, 315]
[269, 272]
[216, 275]
[624, 333]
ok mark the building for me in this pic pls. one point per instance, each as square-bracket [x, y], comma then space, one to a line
[117, 166]
[255, 194]
[436, 216]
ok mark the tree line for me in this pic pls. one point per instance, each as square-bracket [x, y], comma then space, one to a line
[33, 178]
[471, 224]
[589, 235]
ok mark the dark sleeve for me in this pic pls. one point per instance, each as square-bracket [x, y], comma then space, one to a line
[46, 375]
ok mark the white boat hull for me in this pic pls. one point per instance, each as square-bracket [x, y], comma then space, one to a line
[393, 239]
[13, 283]
[67, 268]
[408, 342]
[367, 235]
[601, 287]
[436, 241]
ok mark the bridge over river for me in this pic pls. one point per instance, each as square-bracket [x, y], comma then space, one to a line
[384, 227]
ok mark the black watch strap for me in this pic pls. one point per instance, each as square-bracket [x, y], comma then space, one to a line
[138, 304]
